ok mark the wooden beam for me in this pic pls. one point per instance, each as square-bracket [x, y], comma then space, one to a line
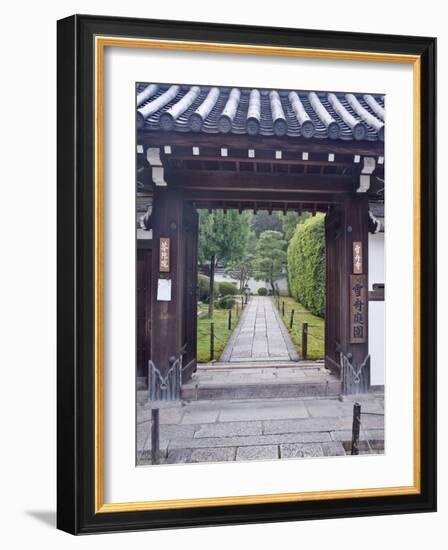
[244, 141]
[243, 181]
[261, 198]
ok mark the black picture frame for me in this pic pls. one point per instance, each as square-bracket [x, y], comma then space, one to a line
[76, 261]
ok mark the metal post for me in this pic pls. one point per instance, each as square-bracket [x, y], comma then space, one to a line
[155, 436]
[355, 429]
[291, 320]
[212, 340]
[283, 308]
[304, 340]
[229, 324]
[245, 297]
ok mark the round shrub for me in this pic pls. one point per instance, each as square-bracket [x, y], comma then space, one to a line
[306, 264]
[262, 291]
[226, 302]
[204, 288]
[227, 289]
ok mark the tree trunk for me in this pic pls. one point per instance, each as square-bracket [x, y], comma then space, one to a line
[211, 301]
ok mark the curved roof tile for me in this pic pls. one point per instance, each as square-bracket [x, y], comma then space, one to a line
[295, 113]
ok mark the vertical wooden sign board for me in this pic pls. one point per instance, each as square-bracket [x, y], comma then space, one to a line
[164, 255]
[358, 309]
[357, 257]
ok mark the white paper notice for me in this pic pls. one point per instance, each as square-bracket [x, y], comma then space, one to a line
[164, 290]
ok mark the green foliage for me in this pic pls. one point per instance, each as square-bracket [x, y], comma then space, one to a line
[227, 289]
[270, 257]
[306, 264]
[224, 236]
[226, 302]
[263, 221]
[204, 288]
[262, 291]
[289, 222]
[241, 270]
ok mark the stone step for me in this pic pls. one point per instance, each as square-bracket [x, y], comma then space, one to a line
[268, 390]
[219, 366]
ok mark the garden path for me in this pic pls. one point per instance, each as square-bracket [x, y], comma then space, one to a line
[260, 335]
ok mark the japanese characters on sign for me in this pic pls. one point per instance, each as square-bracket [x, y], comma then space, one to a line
[164, 263]
[358, 309]
[357, 257]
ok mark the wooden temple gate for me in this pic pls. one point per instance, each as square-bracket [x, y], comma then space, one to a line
[219, 148]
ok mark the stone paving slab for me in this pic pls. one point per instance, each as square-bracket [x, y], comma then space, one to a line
[228, 429]
[257, 452]
[297, 450]
[253, 430]
[280, 409]
[213, 454]
[249, 440]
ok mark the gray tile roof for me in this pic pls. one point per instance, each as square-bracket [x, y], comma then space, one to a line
[294, 113]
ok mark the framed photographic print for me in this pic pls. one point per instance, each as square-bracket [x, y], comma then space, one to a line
[246, 274]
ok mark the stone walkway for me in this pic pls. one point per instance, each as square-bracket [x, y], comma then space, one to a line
[216, 431]
[260, 335]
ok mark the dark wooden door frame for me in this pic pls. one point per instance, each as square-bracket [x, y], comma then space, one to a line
[174, 323]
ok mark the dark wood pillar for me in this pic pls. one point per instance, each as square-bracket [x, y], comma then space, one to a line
[189, 331]
[332, 286]
[144, 303]
[353, 294]
[167, 316]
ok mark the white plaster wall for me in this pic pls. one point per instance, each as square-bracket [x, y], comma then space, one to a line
[376, 310]
[376, 259]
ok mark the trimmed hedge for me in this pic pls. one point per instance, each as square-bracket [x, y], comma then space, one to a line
[227, 289]
[306, 265]
[262, 291]
[204, 288]
[226, 302]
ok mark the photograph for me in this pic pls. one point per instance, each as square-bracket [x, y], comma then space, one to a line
[260, 281]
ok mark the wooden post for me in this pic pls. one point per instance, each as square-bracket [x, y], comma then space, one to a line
[212, 340]
[291, 320]
[242, 302]
[283, 308]
[354, 229]
[155, 436]
[167, 314]
[229, 324]
[237, 310]
[355, 428]
[211, 301]
[304, 341]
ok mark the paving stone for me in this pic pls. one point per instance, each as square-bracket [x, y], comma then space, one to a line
[346, 435]
[240, 441]
[301, 425]
[259, 452]
[228, 429]
[200, 416]
[169, 415]
[178, 456]
[297, 450]
[265, 412]
[333, 448]
[224, 454]
[324, 407]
